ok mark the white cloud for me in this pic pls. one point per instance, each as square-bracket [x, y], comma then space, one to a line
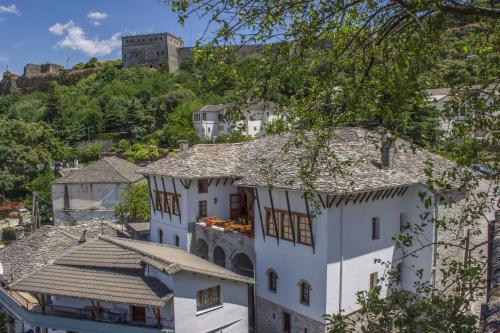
[4, 59]
[12, 9]
[96, 17]
[76, 39]
[58, 28]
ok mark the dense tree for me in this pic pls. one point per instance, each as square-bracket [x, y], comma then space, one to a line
[179, 125]
[26, 151]
[134, 205]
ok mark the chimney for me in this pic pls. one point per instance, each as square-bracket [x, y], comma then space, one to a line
[83, 237]
[388, 151]
[183, 145]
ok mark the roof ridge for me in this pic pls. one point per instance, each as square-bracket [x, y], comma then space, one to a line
[114, 168]
[237, 277]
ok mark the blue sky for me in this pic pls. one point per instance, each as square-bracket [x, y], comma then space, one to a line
[70, 31]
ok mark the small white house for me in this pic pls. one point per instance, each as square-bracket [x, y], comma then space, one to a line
[309, 256]
[92, 191]
[446, 100]
[211, 121]
[113, 284]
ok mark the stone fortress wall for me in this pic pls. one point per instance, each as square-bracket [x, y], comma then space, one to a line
[151, 50]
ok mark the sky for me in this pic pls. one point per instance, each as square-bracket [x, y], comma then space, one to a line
[67, 32]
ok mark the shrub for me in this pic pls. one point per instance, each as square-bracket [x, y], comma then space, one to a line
[9, 234]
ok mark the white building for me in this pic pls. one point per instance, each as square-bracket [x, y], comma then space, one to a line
[111, 284]
[454, 103]
[211, 121]
[217, 202]
[92, 191]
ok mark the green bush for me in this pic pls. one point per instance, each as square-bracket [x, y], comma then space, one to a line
[9, 234]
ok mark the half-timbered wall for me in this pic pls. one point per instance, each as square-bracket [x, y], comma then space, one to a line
[217, 199]
[342, 242]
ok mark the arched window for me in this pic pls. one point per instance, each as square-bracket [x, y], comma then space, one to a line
[305, 292]
[160, 236]
[177, 240]
[272, 280]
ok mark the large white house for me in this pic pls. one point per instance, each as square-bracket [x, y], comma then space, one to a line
[110, 284]
[242, 206]
[92, 191]
[211, 121]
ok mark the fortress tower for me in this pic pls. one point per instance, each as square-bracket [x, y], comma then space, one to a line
[151, 50]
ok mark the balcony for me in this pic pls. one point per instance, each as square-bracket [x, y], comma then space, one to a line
[240, 226]
[28, 303]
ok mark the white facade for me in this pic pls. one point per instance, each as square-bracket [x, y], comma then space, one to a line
[171, 225]
[210, 121]
[85, 201]
[343, 256]
[344, 252]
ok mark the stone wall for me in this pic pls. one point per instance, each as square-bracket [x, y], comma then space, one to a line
[231, 244]
[42, 82]
[270, 319]
[152, 50]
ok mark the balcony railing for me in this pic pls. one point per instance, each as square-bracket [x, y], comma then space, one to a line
[89, 314]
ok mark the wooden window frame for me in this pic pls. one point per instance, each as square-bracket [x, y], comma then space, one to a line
[202, 205]
[286, 231]
[305, 293]
[272, 281]
[304, 235]
[208, 298]
[202, 186]
[270, 228]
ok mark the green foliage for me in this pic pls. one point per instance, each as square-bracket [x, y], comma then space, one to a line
[234, 136]
[139, 152]
[26, 151]
[179, 125]
[9, 234]
[41, 185]
[134, 205]
[90, 154]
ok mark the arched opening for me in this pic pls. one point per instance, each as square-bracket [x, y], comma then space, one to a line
[160, 236]
[219, 256]
[202, 248]
[177, 240]
[304, 292]
[242, 264]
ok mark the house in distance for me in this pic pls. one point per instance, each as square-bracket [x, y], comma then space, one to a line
[92, 191]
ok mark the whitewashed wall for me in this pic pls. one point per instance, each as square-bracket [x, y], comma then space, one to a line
[231, 317]
[292, 263]
[87, 201]
[172, 225]
[322, 268]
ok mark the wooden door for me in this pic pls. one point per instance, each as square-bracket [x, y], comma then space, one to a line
[234, 205]
[138, 313]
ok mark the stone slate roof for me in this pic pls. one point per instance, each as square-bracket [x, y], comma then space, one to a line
[111, 269]
[174, 259]
[139, 226]
[106, 170]
[273, 161]
[108, 285]
[34, 251]
[211, 108]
